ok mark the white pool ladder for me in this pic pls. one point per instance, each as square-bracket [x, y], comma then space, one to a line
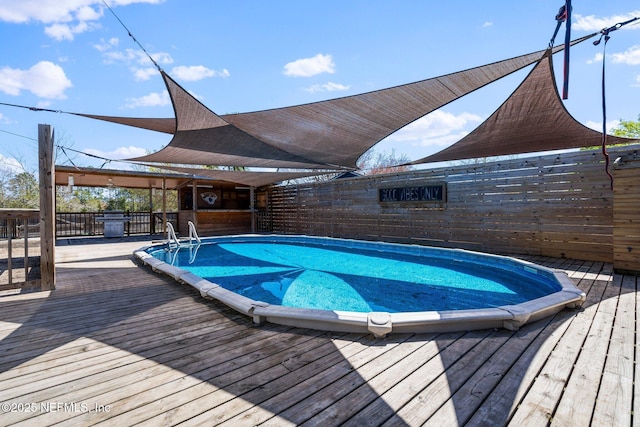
[193, 234]
[172, 238]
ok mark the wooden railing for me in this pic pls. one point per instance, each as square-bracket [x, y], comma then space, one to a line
[70, 224]
[19, 249]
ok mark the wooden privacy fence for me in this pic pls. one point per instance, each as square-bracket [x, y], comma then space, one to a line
[555, 205]
[626, 212]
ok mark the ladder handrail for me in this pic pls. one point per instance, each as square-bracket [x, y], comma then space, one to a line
[193, 234]
[171, 235]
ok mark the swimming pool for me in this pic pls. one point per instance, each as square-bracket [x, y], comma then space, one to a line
[350, 285]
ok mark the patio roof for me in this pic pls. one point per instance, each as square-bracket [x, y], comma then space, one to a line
[93, 177]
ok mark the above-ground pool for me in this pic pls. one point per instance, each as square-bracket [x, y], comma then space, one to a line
[356, 286]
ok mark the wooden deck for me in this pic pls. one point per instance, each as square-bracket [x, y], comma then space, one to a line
[120, 345]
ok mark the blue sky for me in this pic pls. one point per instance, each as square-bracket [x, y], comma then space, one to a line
[73, 55]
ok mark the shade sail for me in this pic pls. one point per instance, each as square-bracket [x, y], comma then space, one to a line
[250, 178]
[165, 125]
[332, 133]
[532, 119]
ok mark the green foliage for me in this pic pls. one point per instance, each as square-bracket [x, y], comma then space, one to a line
[21, 191]
[628, 128]
[83, 199]
[625, 129]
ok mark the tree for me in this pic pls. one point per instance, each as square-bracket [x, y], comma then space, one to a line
[376, 162]
[22, 192]
[81, 199]
[628, 128]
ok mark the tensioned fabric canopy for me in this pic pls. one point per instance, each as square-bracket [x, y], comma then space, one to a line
[326, 134]
[532, 119]
[249, 178]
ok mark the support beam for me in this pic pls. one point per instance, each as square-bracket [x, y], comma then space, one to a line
[252, 207]
[164, 207]
[47, 207]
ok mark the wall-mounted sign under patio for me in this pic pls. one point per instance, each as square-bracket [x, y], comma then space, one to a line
[423, 193]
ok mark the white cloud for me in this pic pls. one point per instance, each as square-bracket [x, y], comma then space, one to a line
[64, 18]
[45, 79]
[436, 128]
[630, 56]
[308, 67]
[597, 58]
[487, 24]
[118, 153]
[598, 125]
[141, 66]
[106, 45]
[11, 165]
[61, 32]
[87, 13]
[327, 87]
[197, 72]
[637, 82]
[131, 56]
[594, 23]
[154, 99]
[160, 58]
[144, 73]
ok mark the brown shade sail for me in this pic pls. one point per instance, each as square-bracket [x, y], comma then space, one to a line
[249, 178]
[326, 134]
[532, 119]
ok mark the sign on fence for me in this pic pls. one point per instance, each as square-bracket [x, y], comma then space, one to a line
[424, 193]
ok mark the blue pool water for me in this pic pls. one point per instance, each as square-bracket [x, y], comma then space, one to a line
[337, 275]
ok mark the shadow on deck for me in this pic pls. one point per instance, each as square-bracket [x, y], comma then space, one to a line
[117, 336]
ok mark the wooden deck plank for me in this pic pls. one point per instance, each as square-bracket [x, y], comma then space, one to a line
[32, 353]
[413, 375]
[418, 351]
[581, 390]
[466, 400]
[154, 352]
[457, 367]
[538, 406]
[614, 406]
[238, 382]
[291, 379]
[505, 397]
[351, 351]
[209, 364]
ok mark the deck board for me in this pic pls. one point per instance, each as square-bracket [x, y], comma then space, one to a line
[117, 336]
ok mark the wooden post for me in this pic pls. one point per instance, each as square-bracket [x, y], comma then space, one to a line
[10, 225]
[164, 206]
[47, 208]
[194, 204]
[252, 207]
[151, 218]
